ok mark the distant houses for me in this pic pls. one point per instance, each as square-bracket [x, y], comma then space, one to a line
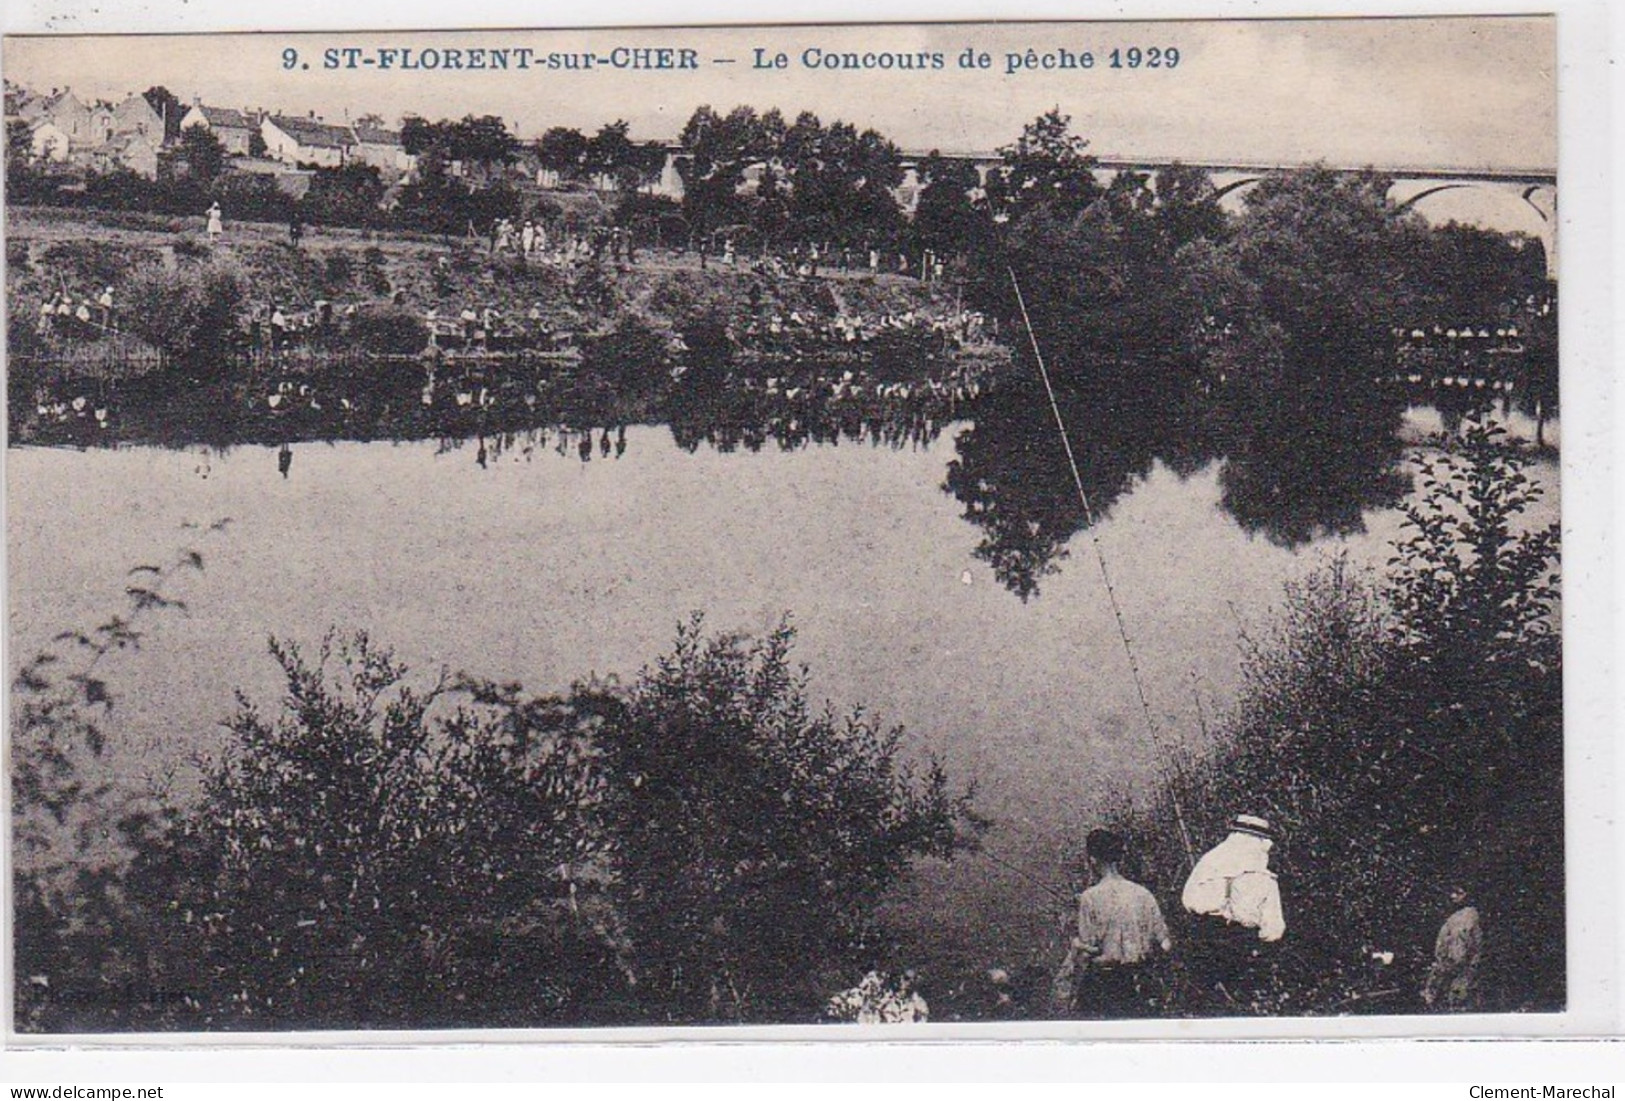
[64, 129]
[382, 149]
[233, 129]
[295, 140]
[69, 133]
[134, 115]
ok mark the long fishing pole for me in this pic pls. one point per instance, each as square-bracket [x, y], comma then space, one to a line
[1050, 889]
[1157, 747]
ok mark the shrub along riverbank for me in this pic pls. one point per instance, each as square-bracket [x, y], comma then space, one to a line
[1404, 733]
[703, 845]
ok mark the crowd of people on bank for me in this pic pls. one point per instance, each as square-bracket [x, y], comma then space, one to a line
[66, 315]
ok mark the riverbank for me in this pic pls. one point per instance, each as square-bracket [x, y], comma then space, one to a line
[52, 252]
[369, 335]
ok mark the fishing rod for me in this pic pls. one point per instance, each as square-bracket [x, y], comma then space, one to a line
[1054, 892]
[1160, 751]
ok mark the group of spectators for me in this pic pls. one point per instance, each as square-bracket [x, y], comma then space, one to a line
[80, 316]
[532, 241]
[797, 333]
[810, 260]
[274, 327]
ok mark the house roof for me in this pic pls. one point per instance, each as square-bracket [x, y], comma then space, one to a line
[18, 98]
[227, 116]
[64, 98]
[312, 133]
[376, 135]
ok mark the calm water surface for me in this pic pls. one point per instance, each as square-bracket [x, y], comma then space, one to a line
[545, 569]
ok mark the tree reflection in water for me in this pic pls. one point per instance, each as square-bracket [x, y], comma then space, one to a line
[1302, 462]
[1294, 466]
[1297, 460]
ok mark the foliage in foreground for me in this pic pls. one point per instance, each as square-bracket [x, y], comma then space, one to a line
[704, 845]
[755, 835]
[1405, 734]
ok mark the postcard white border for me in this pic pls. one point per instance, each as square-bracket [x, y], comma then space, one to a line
[1588, 86]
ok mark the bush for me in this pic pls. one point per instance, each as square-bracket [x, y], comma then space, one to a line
[702, 846]
[754, 835]
[338, 271]
[253, 198]
[88, 265]
[372, 856]
[389, 330]
[629, 359]
[189, 312]
[82, 950]
[1404, 733]
[375, 276]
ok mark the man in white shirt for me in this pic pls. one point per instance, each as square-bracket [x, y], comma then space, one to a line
[1120, 930]
[1235, 905]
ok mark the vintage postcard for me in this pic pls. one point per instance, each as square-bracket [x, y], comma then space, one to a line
[599, 530]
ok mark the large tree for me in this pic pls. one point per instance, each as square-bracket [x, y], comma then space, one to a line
[840, 182]
[1047, 166]
[717, 151]
[563, 150]
[755, 833]
[611, 153]
[947, 216]
[169, 108]
[482, 144]
[205, 157]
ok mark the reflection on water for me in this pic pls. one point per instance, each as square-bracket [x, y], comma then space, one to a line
[1294, 465]
[1297, 460]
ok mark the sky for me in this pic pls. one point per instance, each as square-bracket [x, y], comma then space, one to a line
[1470, 93]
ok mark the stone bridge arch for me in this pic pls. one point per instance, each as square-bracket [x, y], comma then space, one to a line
[1516, 206]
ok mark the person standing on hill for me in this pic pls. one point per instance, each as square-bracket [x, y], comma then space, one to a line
[1236, 905]
[1452, 981]
[1120, 930]
[216, 226]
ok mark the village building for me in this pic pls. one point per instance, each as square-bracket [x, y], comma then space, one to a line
[85, 126]
[134, 115]
[306, 141]
[104, 137]
[233, 129]
[24, 104]
[292, 182]
[136, 151]
[49, 142]
[382, 149]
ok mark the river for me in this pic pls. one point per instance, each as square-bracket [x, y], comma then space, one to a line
[537, 566]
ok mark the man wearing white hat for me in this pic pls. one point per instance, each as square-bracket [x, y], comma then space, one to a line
[1236, 906]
